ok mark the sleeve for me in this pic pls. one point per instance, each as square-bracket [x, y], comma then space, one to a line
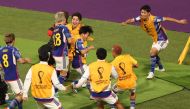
[133, 61]
[114, 73]
[66, 32]
[80, 45]
[137, 19]
[56, 82]
[84, 78]
[16, 53]
[158, 19]
[27, 83]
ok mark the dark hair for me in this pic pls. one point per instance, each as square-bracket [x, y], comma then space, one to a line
[86, 29]
[101, 53]
[146, 8]
[78, 14]
[44, 53]
[9, 38]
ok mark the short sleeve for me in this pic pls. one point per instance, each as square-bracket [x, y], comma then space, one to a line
[158, 19]
[137, 19]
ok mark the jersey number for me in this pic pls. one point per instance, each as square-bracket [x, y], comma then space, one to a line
[57, 39]
[5, 60]
[122, 67]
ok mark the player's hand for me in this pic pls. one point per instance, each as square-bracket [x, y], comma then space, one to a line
[24, 98]
[28, 60]
[123, 23]
[73, 87]
[183, 21]
[91, 47]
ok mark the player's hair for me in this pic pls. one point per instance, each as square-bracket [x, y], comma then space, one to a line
[117, 49]
[78, 14]
[44, 53]
[66, 15]
[146, 8]
[101, 53]
[86, 29]
[9, 38]
[59, 17]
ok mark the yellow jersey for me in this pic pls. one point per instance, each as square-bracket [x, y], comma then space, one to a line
[100, 73]
[41, 85]
[153, 27]
[124, 67]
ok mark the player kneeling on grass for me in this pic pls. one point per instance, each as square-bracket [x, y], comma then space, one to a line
[99, 74]
[9, 56]
[126, 78]
[42, 79]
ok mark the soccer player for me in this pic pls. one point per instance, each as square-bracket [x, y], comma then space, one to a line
[61, 38]
[99, 74]
[74, 27]
[81, 49]
[124, 64]
[9, 56]
[152, 25]
[42, 78]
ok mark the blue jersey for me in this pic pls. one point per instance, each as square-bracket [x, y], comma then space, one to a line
[8, 59]
[60, 36]
[78, 59]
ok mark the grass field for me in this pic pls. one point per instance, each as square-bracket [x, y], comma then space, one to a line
[169, 90]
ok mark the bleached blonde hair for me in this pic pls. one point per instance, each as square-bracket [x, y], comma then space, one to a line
[59, 17]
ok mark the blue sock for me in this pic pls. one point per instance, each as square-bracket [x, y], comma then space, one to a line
[158, 62]
[61, 79]
[13, 104]
[20, 105]
[153, 63]
[132, 103]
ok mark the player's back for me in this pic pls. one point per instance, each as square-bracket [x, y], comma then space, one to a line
[8, 61]
[60, 40]
[124, 65]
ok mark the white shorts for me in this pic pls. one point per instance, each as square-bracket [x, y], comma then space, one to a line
[160, 45]
[112, 99]
[16, 86]
[82, 69]
[54, 104]
[61, 63]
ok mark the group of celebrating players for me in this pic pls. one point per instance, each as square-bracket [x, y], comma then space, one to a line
[68, 46]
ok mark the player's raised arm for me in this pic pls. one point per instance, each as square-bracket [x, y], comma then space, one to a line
[181, 21]
[128, 21]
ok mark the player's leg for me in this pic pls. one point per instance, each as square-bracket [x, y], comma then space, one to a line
[163, 45]
[54, 104]
[100, 104]
[153, 53]
[113, 100]
[17, 87]
[132, 98]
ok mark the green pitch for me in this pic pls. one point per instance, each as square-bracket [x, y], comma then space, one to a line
[30, 28]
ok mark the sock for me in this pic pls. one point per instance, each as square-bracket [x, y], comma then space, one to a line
[132, 102]
[112, 106]
[61, 79]
[153, 63]
[20, 105]
[158, 62]
[13, 104]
